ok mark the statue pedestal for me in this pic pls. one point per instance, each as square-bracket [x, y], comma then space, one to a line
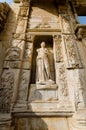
[43, 92]
[43, 98]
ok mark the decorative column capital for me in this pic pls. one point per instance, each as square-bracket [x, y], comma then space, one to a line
[80, 31]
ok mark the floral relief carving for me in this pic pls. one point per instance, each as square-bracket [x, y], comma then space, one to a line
[28, 51]
[73, 58]
[58, 49]
[23, 85]
[21, 26]
[23, 11]
[63, 80]
[66, 23]
[13, 53]
[6, 90]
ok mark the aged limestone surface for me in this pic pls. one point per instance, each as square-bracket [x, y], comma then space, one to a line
[42, 65]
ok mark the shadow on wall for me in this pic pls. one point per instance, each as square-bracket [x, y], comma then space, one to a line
[31, 123]
[50, 6]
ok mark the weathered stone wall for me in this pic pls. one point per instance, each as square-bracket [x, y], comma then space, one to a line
[30, 104]
[6, 89]
[4, 10]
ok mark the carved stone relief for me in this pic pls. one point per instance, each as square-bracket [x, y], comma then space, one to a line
[2, 55]
[72, 55]
[63, 10]
[73, 16]
[29, 37]
[80, 31]
[60, 69]
[23, 12]
[58, 49]
[14, 54]
[28, 51]
[82, 89]
[42, 21]
[65, 19]
[61, 80]
[12, 64]
[16, 51]
[25, 2]
[23, 86]
[21, 26]
[27, 58]
[76, 83]
[19, 36]
[66, 23]
[6, 90]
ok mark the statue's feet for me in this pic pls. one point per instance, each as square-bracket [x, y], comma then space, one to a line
[41, 82]
[50, 81]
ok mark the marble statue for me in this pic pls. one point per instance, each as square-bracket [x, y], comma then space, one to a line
[42, 65]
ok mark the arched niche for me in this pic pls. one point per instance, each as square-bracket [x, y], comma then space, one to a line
[48, 39]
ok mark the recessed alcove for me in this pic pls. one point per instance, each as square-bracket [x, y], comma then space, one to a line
[48, 39]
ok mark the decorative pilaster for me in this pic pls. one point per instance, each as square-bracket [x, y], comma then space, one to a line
[60, 68]
[14, 64]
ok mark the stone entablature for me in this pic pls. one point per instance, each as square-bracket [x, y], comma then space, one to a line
[79, 5]
[57, 1]
[4, 9]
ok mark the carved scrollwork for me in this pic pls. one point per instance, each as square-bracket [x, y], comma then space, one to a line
[66, 23]
[25, 2]
[29, 37]
[28, 51]
[21, 25]
[23, 12]
[61, 78]
[19, 36]
[23, 85]
[43, 25]
[80, 31]
[13, 53]
[6, 90]
[72, 54]
[58, 48]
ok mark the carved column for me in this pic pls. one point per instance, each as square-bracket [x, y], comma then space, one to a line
[20, 94]
[80, 92]
[14, 61]
[73, 65]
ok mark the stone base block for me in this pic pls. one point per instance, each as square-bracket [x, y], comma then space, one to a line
[43, 93]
